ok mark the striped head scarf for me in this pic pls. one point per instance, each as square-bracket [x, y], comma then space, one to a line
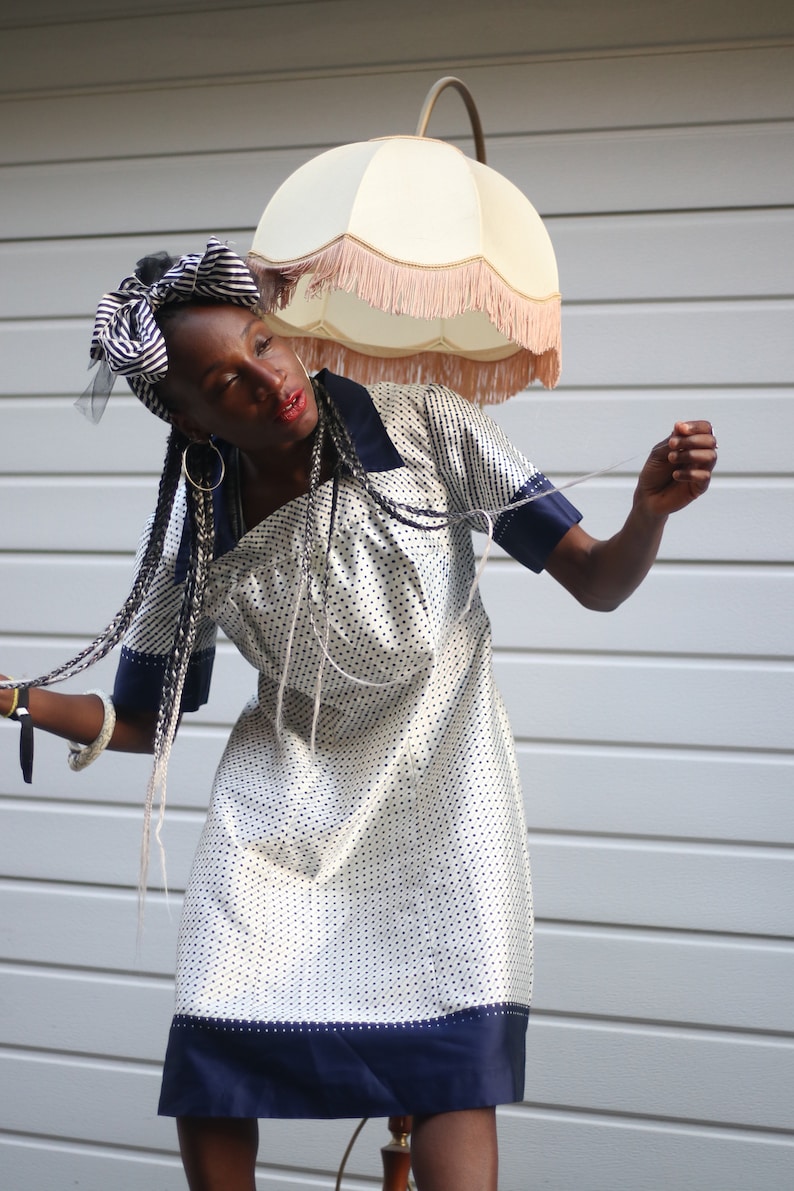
[127, 340]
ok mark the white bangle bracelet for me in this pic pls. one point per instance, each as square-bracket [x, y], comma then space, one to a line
[81, 755]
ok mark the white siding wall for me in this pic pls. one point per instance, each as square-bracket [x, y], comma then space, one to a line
[657, 141]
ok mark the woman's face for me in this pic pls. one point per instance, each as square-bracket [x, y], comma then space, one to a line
[229, 376]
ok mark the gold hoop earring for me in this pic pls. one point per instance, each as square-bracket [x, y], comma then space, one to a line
[186, 473]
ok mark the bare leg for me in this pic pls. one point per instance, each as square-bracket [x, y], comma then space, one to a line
[455, 1151]
[219, 1153]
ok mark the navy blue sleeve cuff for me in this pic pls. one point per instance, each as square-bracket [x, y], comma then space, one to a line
[139, 680]
[530, 532]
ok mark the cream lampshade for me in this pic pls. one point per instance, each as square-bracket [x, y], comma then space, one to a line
[402, 258]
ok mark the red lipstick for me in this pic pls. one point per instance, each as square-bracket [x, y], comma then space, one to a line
[293, 407]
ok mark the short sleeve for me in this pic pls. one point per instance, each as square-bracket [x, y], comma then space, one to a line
[147, 643]
[484, 471]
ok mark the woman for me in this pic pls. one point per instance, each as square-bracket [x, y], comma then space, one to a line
[356, 936]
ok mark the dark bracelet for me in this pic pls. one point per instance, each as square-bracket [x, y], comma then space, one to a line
[22, 716]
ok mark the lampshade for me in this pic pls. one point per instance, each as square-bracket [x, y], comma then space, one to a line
[402, 258]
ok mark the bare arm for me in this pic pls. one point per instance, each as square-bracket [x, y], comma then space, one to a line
[79, 718]
[602, 574]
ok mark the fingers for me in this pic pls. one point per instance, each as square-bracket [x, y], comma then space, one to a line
[693, 433]
[692, 453]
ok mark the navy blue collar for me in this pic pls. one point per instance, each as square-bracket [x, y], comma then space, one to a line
[375, 449]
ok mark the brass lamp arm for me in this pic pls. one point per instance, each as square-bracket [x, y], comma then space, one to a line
[474, 115]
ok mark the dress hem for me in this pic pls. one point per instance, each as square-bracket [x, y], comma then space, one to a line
[471, 1059]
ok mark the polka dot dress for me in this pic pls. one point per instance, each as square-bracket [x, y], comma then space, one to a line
[357, 931]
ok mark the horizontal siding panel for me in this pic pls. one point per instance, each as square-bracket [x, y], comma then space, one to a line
[308, 34]
[687, 344]
[740, 520]
[98, 1168]
[685, 703]
[673, 255]
[716, 888]
[665, 1073]
[75, 847]
[688, 794]
[318, 38]
[227, 189]
[29, 1166]
[659, 977]
[81, 1014]
[96, 1100]
[649, 170]
[95, 514]
[80, 927]
[664, 977]
[49, 11]
[89, 589]
[587, 1152]
[748, 83]
[109, 514]
[79, 271]
[692, 255]
[622, 426]
[683, 887]
[678, 344]
[46, 435]
[644, 24]
[672, 613]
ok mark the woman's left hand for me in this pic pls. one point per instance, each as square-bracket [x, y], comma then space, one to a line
[678, 469]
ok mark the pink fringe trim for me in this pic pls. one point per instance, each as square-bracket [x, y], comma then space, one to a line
[427, 292]
[486, 383]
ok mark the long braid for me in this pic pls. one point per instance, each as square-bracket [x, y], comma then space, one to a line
[315, 477]
[202, 539]
[406, 514]
[326, 631]
[305, 583]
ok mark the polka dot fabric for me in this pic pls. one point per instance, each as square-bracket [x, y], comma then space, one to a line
[357, 930]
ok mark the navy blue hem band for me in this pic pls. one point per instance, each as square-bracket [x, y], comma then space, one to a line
[470, 1059]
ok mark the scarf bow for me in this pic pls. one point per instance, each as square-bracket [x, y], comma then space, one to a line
[127, 341]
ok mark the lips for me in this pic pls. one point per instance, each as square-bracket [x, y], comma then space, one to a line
[293, 407]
